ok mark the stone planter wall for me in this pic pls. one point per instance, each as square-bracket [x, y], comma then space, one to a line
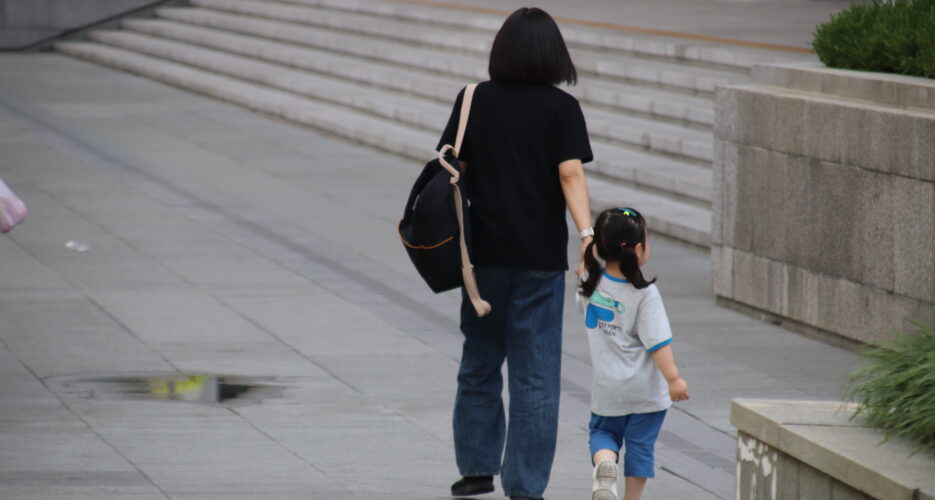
[824, 206]
[813, 450]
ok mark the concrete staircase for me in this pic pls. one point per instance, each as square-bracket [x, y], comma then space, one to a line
[385, 74]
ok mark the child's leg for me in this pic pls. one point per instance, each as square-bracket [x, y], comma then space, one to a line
[604, 486]
[605, 437]
[640, 437]
[605, 441]
[604, 455]
[634, 488]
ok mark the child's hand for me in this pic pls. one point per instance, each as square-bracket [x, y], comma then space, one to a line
[678, 390]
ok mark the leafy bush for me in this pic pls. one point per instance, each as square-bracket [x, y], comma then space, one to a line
[894, 36]
[895, 390]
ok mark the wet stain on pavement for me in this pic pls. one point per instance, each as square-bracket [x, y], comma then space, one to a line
[209, 389]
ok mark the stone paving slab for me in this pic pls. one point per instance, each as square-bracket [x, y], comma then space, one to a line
[296, 277]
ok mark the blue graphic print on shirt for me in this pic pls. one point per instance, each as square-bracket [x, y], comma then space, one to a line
[601, 308]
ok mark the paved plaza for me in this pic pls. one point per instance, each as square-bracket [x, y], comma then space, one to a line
[176, 242]
[206, 239]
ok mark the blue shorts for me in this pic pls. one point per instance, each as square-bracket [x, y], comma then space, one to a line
[638, 431]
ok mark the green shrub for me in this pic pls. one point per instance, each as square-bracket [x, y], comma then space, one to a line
[894, 36]
[895, 390]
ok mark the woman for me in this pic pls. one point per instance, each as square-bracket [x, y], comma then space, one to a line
[522, 156]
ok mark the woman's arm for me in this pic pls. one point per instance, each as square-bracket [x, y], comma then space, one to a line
[665, 360]
[575, 188]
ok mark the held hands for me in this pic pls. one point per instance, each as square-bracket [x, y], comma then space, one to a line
[678, 390]
[584, 247]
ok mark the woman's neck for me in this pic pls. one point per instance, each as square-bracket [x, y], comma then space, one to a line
[613, 269]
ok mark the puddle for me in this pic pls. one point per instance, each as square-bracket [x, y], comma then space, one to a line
[178, 387]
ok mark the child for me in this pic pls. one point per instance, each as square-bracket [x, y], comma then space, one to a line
[635, 377]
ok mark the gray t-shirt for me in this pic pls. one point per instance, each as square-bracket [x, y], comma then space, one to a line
[625, 325]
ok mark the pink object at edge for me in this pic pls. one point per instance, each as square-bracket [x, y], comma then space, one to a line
[12, 209]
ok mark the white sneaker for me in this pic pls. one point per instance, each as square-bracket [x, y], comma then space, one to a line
[605, 481]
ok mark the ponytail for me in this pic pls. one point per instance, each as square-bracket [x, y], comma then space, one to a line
[593, 268]
[630, 266]
[617, 231]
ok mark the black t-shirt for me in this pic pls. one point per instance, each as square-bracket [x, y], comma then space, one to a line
[516, 137]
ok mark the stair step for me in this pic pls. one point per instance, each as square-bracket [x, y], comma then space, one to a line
[643, 73]
[389, 29]
[635, 167]
[672, 108]
[696, 112]
[428, 116]
[700, 53]
[639, 133]
[437, 87]
[348, 124]
[423, 59]
[689, 183]
[424, 34]
[677, 219]
[672, 140]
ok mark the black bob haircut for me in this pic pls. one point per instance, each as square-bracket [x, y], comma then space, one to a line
[529, 48]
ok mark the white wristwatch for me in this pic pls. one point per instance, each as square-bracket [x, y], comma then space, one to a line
[586, 232]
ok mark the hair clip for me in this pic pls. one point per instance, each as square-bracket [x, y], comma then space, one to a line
[623, 244]
[629, 212]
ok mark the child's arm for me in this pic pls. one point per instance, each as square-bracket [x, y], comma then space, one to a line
[665, 360]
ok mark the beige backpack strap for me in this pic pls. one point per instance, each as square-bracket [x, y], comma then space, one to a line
[481, 306]
[463, 118]
[465, 110]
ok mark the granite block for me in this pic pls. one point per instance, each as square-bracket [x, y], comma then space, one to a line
[768, 206]
[839, 458]
[914, 239]
[720, 191]
[921, 165]
[749, 276]
[813, 485]
[833, 200]
[722, 260]
[882, 88]
[787, 473]
[873, 252]
[803, 303]
[841, 491]
[741, 212]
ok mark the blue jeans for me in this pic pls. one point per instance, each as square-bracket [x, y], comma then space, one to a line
[525, 329]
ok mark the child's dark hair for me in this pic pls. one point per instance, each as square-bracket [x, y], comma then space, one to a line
[617, 231]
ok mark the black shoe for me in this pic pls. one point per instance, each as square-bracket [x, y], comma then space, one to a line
[472, 485]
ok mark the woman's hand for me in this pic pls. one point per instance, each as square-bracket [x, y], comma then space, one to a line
[584, 248]
[575, 189]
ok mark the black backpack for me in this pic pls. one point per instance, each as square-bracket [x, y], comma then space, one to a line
[434, 226]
